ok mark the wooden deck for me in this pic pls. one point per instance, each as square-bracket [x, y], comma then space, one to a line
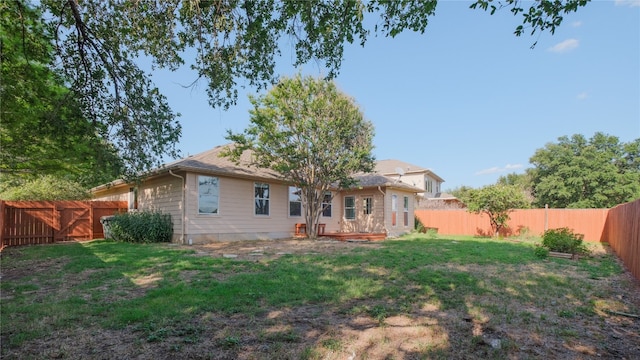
[343, 236]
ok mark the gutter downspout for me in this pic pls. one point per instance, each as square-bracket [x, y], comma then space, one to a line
[184, 216]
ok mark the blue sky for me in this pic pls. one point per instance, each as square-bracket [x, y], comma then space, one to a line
[467, 99]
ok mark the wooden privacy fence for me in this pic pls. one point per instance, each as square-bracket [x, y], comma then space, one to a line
[588, 222]
[43, 222]
[618, 226]
[622, 232]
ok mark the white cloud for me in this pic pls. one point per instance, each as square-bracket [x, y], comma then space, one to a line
[631, 3]
[495, 169]
[577, 23]
[583, 95]
[565, 46]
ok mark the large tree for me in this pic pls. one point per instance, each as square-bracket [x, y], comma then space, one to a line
[496, 201]
[42, 130]
[229, 43]
[312, 134]
[576, 172]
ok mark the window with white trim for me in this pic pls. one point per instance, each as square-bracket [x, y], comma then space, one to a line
[326, 204]
[367, 205]
[261, 196]
[208, 194]
[349, 207]
[295, 202]
[428, 185]
[394, 210]
[406, 211]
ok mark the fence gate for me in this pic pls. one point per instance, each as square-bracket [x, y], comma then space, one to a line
[42, 222]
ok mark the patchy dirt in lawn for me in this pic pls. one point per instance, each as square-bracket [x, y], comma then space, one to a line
[363, 329]
[271, 249]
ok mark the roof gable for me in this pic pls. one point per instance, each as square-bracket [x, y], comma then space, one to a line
[211, 161]
[391, 166]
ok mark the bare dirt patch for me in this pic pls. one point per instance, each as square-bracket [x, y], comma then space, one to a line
[272, 249]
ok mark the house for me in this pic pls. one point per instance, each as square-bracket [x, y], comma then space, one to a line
[425, 179]
[210, 198]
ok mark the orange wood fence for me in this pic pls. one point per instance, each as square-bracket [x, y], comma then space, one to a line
[43, 222]
[622, 232]
[589, 222]
[618, 226]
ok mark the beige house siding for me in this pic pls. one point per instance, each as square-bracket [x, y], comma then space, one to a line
[363, 222]
[413, 179]
[236, 219]
[163, 195]
[113, 194]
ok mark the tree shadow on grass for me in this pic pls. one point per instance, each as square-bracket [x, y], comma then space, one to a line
[423, 298]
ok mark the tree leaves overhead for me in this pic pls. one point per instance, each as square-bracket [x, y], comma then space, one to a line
[537, 16]
[576, 172]
[97, 46]
[42, 130]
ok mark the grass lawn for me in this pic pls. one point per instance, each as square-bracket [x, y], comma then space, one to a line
[419, 297]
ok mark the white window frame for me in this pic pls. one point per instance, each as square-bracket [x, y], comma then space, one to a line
[211, 185]
[324, 203]
[257, 199]
[367, 205]
[394, 210]
[405, 213]
[292, 192]
[352, 208]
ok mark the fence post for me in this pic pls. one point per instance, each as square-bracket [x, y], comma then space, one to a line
[90, 203]
[1, 224]
[546, 217]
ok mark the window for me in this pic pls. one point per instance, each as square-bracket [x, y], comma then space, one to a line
[367, 205]
[394, 209]
[208, 194]
[349, 207]
[326, 204]
[133, 198]
[261, 194]
[428, 185]
[406, 211]
[295, 203]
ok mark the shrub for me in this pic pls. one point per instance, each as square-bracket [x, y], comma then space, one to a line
[141, 227]
[541, 251]
[564, 240]
[418, 225]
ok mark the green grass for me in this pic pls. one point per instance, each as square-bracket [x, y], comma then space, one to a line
[158, 291]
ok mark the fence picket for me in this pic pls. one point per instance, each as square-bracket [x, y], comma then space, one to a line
[41, 222]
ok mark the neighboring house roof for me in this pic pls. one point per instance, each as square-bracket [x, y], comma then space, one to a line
[211, 162]
[391, 166]
[377, 180]
[442, 196]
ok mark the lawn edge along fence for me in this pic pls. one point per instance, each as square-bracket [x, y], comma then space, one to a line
[618, 226]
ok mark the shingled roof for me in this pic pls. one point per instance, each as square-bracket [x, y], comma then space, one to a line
[211, 162]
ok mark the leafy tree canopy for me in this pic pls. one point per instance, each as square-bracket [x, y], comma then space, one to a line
[497, 201]
[46, 187]
[312, 134]
[576, 172]
[42, 130]
[227, 42]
